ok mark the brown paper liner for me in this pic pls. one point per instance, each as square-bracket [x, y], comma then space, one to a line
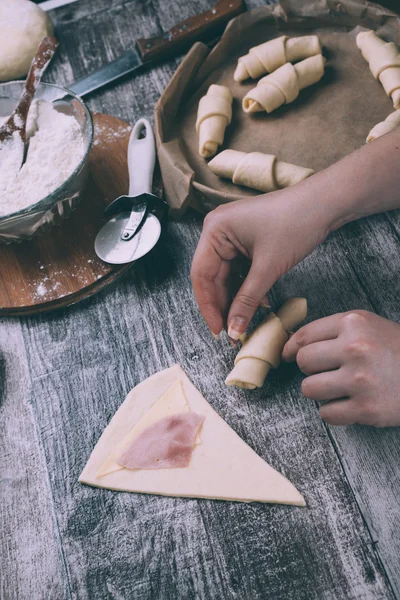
[327, 121]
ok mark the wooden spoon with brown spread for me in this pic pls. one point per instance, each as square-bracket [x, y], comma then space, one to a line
[17, 120]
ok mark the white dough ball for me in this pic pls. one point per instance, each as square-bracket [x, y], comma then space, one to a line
[22, 27]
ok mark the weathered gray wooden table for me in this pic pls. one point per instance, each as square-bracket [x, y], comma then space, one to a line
[63, 375]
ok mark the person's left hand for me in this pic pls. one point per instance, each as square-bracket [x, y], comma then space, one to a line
[353, 365]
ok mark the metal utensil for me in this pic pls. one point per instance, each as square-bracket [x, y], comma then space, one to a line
[133, 230]
[147, 51]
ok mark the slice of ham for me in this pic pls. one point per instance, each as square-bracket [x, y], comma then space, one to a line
[167, 444]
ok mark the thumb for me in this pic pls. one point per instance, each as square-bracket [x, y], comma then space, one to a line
[249, 297]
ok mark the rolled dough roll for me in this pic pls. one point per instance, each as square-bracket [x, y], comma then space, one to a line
[23, 25]
[284, 85]
[271, 55]
[213, 116]
[262, 350]
[263, 172]
[384, 62]
[390, 123]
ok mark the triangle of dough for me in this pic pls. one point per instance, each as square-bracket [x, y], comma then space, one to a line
[172, 401]
[222, 467]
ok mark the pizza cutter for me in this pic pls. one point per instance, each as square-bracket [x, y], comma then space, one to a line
[133, 229]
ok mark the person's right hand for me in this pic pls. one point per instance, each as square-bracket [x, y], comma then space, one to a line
[273, 231]
[277, 230]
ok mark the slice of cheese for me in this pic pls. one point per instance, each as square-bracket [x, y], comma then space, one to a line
[222, 467]
[173, 401]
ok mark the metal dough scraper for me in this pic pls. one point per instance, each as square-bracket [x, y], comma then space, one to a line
[133, 229]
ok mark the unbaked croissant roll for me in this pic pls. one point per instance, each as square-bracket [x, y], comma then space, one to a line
[263, 349]
[213, 116]
[284, 85]
[391, 122]
[263, 172]
[271, 55]
[384, 61]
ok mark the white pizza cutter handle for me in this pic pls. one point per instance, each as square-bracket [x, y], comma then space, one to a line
[141, 158]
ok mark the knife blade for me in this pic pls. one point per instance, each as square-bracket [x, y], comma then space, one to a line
[148, 51]
[125, 64]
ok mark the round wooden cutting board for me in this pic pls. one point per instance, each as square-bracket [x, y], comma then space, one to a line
[61, 266]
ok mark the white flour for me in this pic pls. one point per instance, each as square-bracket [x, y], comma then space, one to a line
[11, 151]
[55, 149]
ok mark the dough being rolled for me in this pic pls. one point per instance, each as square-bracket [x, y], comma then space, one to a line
[263, 172]
[384, 61]
[284, 85]
[262, 350]
[271, 55]
[391, 122]
[213, 116]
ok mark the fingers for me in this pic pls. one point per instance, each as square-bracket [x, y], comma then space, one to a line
[223, 295]
[317, 331]
[326, 386]
[265, 303]
[319, 357]
[250, 295]
[340, 412]
[206, 267]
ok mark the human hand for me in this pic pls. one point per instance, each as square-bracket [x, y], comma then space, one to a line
[352, 361]
[274, 232]
[277, 230]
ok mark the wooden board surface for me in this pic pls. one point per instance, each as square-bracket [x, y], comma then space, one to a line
[63, 375]
[61, 267]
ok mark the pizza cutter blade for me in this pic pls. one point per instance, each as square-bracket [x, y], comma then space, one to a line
[112, 248]
[133, 230]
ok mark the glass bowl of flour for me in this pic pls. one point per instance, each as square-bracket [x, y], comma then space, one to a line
[49, 184]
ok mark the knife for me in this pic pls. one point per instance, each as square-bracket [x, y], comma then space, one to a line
[148, 50]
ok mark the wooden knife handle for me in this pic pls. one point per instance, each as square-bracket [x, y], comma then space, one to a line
[190, 30]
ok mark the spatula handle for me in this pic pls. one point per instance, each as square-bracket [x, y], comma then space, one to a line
[141, 158]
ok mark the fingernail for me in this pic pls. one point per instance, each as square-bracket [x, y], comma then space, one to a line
[233, 334]
[265, 305]
[236, 328]
[216, 336]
